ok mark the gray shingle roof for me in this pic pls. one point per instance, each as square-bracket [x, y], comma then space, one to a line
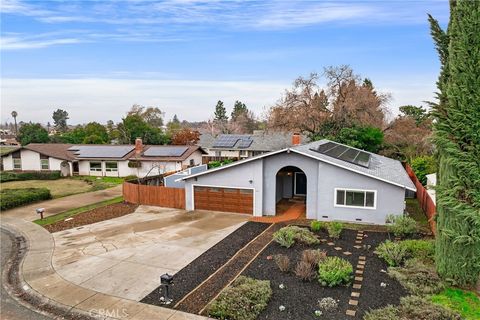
[380, 167]
[264, 141]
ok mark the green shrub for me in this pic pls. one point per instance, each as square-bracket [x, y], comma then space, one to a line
[402, 226]
[214, 164]
[466, 303]
[317, 225]
[34, 175]
[243, 300]
[412, 307]
[386, 313]
[287, 236]
[392, 252]
[422, 166]
[419, 249]
[334, 229]
[417, 277]
[11, 198]
[334, 271]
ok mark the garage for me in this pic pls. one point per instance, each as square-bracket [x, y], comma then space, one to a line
[223, 199]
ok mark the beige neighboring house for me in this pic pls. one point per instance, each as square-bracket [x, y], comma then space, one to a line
[102, 160]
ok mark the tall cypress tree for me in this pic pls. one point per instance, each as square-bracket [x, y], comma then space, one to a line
[220, 112]
[457, 139]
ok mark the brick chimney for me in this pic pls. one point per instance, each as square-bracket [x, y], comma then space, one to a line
[138, 146]
[296, 139]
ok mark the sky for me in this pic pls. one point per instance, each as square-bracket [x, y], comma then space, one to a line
[96, 59]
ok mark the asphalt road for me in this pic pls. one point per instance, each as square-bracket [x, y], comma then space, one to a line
[9, 308]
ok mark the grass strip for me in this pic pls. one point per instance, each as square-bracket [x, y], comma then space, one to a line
[464, 302]
[72, 212]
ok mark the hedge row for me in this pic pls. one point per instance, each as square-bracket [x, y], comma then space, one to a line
[35, 175]
[11, 198]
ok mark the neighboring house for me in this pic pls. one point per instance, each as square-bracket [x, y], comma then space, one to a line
[336, 182]
[8, 139]
[431, 183]
[242, 146]
[103, 160]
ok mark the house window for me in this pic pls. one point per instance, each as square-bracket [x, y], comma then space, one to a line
[44, 164]
[243, 153]
[17, 164]
[218, 153]
[95, 166]
[355, 198]
[111, 166]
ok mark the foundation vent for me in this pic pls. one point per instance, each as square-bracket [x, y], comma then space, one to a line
[325, 217]
[358, 219]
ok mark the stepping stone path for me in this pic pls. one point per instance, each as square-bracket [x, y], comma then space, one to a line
[357, 285]
[198, 299]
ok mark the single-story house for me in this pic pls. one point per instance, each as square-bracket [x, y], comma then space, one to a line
[242, 146]
[336, 182]
[102, 160]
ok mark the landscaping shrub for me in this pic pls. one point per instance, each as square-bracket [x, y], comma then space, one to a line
[464, 302]
[334, 229]
[392, 252]
[243, 300]
[334, 271]
[417, 277]
[305, 270]
[402, 226]
[419, 249]
[422, 166]
[287, 236]
[412, 307]
[328, 304]
[282, 261]
[313, 257]
[11, 198]
[317, 225]
[35, 175]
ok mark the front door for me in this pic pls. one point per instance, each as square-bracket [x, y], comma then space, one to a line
[300, 188]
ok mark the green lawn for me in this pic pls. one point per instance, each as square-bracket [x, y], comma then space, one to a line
[464, 302]
[100, 183]
[73, 212]
[413, 208]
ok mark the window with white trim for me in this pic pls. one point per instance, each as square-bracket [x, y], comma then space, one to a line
[355, 198]
[96, 166]
[111, 166]
[44, 164]
[17, 164]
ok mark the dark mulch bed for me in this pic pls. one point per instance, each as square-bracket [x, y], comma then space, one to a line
[201, 268]
[301, 298]
[95, 215]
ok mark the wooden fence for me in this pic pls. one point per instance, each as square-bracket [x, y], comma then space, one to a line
[424, 199]
[154, 195]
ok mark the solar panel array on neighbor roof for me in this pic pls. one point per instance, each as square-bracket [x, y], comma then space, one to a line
[229, 141]
[344, 153]
[165, 151]
[101, 151]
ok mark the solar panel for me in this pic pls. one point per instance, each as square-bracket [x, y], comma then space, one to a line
[101, 151]
[344, 153]
[165, 151]
[230, 141]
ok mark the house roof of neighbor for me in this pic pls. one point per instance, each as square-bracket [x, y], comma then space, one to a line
[258, 141]
[379, 167]
[72, 152]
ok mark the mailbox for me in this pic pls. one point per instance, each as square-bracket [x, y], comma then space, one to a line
[166, 281]
[40, 211]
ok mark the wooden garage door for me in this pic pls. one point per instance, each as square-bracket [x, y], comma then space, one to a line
[224, 199]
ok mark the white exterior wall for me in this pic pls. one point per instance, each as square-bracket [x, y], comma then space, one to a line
[197, 159]
[30, 160]
[8, 163]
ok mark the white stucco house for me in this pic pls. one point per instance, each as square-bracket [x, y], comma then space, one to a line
[102, 160]
[334, 181]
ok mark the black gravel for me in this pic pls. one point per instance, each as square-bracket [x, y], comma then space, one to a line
[301, 298]
[201, 268]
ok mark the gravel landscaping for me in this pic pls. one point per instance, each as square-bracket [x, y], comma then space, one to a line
[95, 215]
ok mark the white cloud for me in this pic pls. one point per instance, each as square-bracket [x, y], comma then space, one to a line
[18, 43]
[95, 99]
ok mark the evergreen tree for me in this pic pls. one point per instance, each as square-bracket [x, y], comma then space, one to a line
[175, 119]
[32, 133]
[60, 118]
[220, 112]
[457, 140]
[239, 108]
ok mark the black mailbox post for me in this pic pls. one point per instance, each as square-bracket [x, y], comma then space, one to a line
[166, 281]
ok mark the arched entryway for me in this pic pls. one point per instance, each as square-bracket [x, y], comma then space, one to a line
[291, 190]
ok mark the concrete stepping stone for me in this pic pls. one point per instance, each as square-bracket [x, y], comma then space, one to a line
[351, 313]
[353, 302]
[361, 262]
[338, 248]
[357, 247]
[360, 272]
[360, 279]
[347, 253]
[358, 242]
[357, 286]
[355, 294]
[362, 258]
[360, 266]
[331, 244]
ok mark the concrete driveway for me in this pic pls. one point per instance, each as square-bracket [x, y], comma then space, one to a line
[125, 256]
